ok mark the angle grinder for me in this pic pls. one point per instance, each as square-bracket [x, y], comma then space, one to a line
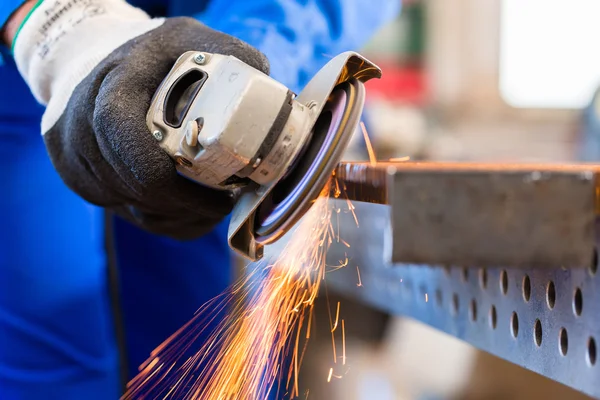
[231, 127]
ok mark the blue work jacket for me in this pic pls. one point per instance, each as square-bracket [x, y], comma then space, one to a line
[71, 327]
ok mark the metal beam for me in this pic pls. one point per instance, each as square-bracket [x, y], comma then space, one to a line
[473, 214]
[480, 220]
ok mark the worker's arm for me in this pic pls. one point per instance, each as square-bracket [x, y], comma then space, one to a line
[298, 36]
[12, 14]
[96, 65]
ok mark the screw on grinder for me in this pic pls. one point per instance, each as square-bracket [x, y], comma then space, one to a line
[231, 127]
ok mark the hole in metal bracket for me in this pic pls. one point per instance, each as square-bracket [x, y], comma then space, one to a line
[537, 333]
[473, 310]
[503, 282]
[493, 317]
[423, 293]
[526, 288]
[591, 351]
[465, 274]
[594, 265]
[455, 303]
[550, 295]
[514, 324]
[578, 302]
[563, 341]
[483, 278]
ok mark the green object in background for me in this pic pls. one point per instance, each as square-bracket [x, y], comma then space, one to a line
[415, 38]
[404, 39]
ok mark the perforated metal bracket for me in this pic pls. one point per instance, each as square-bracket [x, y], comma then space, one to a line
[541, 319]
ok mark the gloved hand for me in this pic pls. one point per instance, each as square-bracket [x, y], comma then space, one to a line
[96, 64]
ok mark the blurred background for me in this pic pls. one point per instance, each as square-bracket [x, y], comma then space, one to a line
[464, 80]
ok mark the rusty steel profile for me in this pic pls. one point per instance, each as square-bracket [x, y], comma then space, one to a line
[477, 214]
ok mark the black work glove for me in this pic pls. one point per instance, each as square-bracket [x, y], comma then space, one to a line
[95, 125]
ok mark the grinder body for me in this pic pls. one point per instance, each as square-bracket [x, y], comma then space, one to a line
[231, 127]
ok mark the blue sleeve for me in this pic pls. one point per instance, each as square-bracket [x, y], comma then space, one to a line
[300, 36]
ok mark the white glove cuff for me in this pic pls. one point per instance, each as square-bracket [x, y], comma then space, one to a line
[63, 41]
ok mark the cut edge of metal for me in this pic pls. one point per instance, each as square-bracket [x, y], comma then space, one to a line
[363, 182]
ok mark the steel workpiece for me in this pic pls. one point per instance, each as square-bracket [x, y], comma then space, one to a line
[502, 256]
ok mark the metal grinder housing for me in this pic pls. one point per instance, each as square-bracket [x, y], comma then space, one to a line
[231, 127]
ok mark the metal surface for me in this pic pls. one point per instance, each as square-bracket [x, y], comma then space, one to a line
[519, 215]
[542, 319]
[246, 117]
[343, 68]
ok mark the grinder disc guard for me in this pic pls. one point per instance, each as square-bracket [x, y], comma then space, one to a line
[333, 101]
[290, 198]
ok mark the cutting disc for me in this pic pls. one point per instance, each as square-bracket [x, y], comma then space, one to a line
[292, 196]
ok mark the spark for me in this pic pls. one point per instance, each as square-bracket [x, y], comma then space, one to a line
[351, 208]
[359, 284]
[372, 158]
[426, 298]
[337, 316]
[343, 264]
[337, 217]
[343, 343]
[337, 192]
[400, 159]
[332, 325]
[249, 342]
